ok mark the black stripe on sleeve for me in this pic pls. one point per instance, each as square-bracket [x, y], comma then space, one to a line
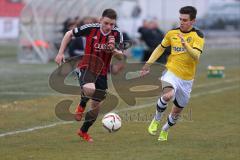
[163, 46]
[76, 32]
[197, 49]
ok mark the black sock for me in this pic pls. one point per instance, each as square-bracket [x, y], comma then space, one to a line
[90, 118]
[84, 101]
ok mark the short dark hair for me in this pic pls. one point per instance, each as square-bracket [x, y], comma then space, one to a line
[192, 11]
[110, 13]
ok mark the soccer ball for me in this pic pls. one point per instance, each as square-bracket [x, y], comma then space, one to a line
[111, 122]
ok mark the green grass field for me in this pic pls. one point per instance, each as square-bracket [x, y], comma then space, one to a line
[208, 129]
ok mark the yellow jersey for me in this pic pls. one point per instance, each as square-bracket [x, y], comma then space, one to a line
[179, 61]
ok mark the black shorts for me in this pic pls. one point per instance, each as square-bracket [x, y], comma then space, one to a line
[100, 81]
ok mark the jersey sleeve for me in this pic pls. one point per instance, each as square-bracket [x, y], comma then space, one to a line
[166, 41]
[82, 31]
[119, 41]
[119, 37]
[198, 43]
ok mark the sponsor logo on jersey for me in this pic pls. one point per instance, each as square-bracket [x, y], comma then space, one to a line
[179, 49]
[98, 47]
[189, 39]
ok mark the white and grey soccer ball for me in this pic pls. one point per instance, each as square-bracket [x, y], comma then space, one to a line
[111, 122]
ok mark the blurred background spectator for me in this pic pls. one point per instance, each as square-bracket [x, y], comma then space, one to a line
[151, 35]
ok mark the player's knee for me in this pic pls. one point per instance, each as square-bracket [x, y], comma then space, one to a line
[167, 98]
[89, 89]
[168, 94]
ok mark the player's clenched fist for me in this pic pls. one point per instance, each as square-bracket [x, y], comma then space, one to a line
[59, 59]
[111, 44]
[145, 70]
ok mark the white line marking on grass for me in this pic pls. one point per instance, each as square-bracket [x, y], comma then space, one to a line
[215, 91]
[120, 110]
[22, 84]
[216, 83]
[33, 129]
[16, 93]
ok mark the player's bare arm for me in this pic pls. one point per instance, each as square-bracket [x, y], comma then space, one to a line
[66, 39]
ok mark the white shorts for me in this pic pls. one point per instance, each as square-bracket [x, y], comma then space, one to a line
[182, 88]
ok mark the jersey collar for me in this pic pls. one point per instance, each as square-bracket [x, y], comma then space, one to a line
[105, 34]
[187, 31]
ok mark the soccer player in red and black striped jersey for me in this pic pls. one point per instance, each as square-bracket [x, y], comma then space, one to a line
[100, 47]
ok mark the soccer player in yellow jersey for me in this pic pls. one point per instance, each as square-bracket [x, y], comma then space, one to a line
[186, 47]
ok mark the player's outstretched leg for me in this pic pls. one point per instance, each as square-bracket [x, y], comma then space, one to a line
[168, 94]
[160, 108]
[90, 118]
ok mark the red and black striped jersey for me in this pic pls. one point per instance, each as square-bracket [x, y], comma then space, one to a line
[96, 57]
